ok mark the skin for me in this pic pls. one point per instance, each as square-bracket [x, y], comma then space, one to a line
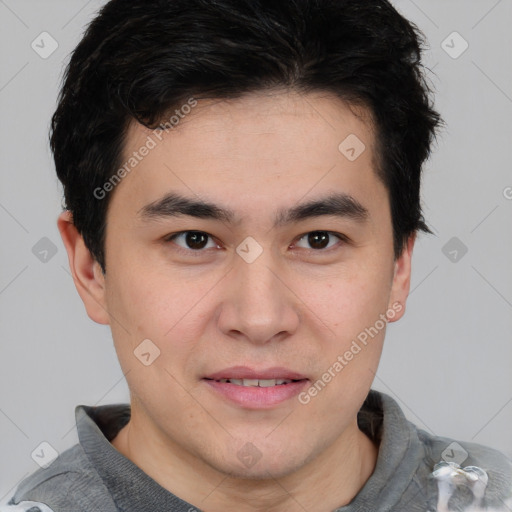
[294, 306]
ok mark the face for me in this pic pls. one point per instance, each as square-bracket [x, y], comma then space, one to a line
[257, 258]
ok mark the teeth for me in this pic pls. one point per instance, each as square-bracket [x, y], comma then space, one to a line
[262, 383]
[267, 383]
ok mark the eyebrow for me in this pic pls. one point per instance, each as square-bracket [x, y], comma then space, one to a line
[174, 205]
[335, 205]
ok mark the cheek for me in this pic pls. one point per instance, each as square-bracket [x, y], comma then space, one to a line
[154, 301]
[350, 300]
[150, 305]
[352, 312]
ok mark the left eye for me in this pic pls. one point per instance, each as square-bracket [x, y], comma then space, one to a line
[194, 240]
[318, 240]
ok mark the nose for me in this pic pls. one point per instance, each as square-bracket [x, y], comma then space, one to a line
[258, 306]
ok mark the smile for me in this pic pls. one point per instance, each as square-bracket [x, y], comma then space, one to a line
[251, 388]
[262, 383]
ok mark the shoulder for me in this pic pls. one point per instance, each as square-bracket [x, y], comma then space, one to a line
[469, 471]
[69, 483]
[464, 453]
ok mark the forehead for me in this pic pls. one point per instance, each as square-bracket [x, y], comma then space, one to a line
[322, 118]
[281, 144]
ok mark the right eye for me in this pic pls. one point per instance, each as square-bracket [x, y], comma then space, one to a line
[192, 240]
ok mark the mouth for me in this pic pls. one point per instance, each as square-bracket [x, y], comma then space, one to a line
[256, 389]
[262, 383]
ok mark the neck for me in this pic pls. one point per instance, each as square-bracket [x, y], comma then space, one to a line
[329, 481]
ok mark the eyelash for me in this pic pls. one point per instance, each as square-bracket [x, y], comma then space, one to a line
[343, 239]
[196, 252]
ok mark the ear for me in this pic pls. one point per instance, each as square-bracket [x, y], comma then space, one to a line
[401, 281]
[86, 271]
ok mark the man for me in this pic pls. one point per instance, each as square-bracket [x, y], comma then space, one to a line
[242, 186]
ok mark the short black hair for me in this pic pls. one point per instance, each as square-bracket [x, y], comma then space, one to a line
[140, 59]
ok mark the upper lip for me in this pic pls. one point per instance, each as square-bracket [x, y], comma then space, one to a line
[244, 372]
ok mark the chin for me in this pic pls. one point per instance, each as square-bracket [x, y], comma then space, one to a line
[251, 463]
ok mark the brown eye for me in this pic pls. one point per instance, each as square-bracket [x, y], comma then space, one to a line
[192, 240]
[318, 240]
[196, 239]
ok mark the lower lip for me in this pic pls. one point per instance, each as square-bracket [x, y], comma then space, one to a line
[255, 397]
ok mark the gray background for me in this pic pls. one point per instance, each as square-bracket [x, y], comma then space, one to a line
[447, 362]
